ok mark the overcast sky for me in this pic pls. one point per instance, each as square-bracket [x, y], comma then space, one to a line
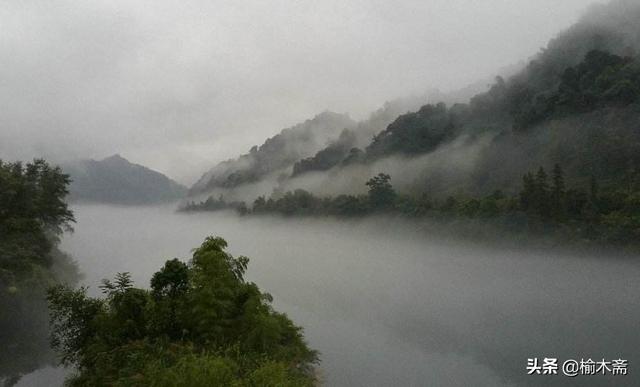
[180, 85]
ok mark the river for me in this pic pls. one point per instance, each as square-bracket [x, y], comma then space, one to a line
[387, 305]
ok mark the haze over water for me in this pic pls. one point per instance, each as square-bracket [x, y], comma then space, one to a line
[499, 116]
[387, 305]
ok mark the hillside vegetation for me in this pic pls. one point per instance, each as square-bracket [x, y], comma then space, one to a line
[276, 154]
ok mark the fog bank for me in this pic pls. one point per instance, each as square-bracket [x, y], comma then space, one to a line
[386, 304]
[178, 86]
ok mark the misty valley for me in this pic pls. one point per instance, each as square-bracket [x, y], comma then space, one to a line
[205, 194]
[386, 304]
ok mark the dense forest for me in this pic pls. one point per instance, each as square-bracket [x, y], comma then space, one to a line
[543, 205]
[347, 148]
[33, 216]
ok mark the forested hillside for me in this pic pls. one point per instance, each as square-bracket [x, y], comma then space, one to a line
[586, 121]
[576, 104]
[319, 144]
[574, 110]
[276, 154]
[347, 147]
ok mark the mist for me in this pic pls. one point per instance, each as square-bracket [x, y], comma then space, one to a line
[471, 174]
[451, 165]
[180, 86]
[388, 302]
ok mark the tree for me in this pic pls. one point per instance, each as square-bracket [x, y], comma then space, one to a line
[201, 324]
[593, 189]
[542, 196]
[171, 281]
[168, 287]
[528, 192]
[558, 193]
[381, 193]
[259, 204]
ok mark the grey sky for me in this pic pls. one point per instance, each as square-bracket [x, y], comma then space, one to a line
[180, 85]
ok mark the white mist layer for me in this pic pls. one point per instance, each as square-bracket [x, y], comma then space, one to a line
[387, 305]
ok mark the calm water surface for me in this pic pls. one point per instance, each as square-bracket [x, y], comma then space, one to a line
[386, 305]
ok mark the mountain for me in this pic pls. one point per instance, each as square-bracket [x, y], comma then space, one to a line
[347, 148]
[277, 154]
[317, 144]
[350, 141]
[116, 180]
[576, 103]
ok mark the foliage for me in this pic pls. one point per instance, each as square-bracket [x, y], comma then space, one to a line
[328, 157]
[211, 204]
[600, 80]
[543, 205]
[381, 193]
[301, 202]
[200, 324]
[33, 215]
[415, 133]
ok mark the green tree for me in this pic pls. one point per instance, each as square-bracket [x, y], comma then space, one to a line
[381, 192]
[201, 323]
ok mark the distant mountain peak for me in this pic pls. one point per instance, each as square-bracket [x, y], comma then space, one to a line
[115, 158]
[116, 180]
[277, 153]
